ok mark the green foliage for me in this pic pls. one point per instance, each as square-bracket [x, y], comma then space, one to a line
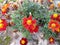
[6, 41]
[1, 41]
[27, 34]
[17, 19]
[48, 32]
[1, 1]
[38, 12]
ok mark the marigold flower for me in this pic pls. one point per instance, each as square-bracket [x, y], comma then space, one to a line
[4, 8]
[51, 40]
[30, 24]
[3, 24]
[23, 41]
[53, 25]
[54, 16]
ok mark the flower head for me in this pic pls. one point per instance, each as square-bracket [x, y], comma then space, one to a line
[54, 16]
[3, 24]
[51, 40]
[53, 25]
[28, 21]
[23, 41]
[30, 24]
[4, 8]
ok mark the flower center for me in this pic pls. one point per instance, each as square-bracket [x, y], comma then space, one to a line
[51, 40]
[55, 15]
[1, 21]
[23, 42]
[29, 22]
[53, 25]
[1, 25]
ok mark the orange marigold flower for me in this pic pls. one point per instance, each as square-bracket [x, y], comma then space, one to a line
[51, 40]
[55, 17]
[4, 8]
[53, 25]
[3, 24]
[23, 41]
